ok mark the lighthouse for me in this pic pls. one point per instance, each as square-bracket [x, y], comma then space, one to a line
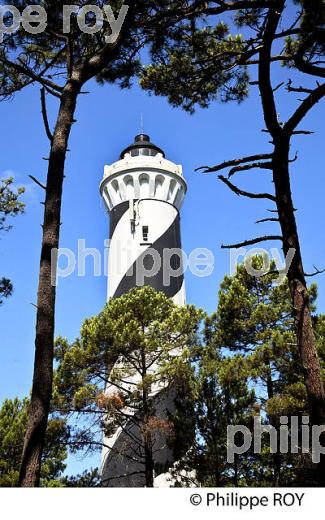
[143, 192]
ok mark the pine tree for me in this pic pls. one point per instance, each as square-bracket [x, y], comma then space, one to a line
[129, 360]
[243, 364]
[247, 368]
[224, 399]
[201, 58]
[62, 64]
[254, 321]
[13, 422]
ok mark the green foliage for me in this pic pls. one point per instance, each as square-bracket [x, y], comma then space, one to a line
[245, 364]
[6, 289]
[312, 31]
[13, 421]
[224, 398]
[10, 206]
[197, 68]
[140, 342]
[209, 49]
[49, 57]
[13, 416]
[24, 55]
[249, 366]
[255, 317]
[87, 479]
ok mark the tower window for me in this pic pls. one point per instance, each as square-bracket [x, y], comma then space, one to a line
[145, 233]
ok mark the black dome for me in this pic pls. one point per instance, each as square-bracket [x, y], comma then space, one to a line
[142, 146]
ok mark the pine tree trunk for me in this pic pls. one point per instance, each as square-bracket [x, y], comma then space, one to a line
[146, 414]
[43, 364]
[296, 278]
[149, 466]
[298, 290]
[236, 482]
[276, 457]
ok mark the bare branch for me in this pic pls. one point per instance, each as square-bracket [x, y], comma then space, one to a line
[44, 114]
[304, 108]
[238, 5]
[30, 74]
[272, 59]
[302, 132]
[234, 162]
[243, 193]
[294, 159]
[253, 241]
[290, 88]
[267, 220]
[37, 182]
[316, 272]
[278, 86]
[52, 92]
[139, 472]
[262, 165]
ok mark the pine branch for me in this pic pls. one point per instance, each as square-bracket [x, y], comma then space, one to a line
[138, 472]
[243, 193]
[264, 70]
[300, 89]
[44, 114]
[316, 272]
[262, 165]
[301, 63]
[35, 77]
[253, 241]
[238, 5]
[37, 182]
[302, 132]
[294, 159]
[52, 92]
[304, 108]
[267, 220]
[109, 52]
[278, 86]
[68, 48]
[234, 162]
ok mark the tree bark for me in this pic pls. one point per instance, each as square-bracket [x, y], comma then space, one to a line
[39, 408]
[276, 457]
[281, 178]
[149, 466]
[43, 364]
[299, 293]
[148, 453]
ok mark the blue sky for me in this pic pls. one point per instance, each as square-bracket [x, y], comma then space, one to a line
[108, 120]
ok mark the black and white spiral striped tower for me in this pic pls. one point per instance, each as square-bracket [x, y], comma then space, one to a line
[143, 192]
